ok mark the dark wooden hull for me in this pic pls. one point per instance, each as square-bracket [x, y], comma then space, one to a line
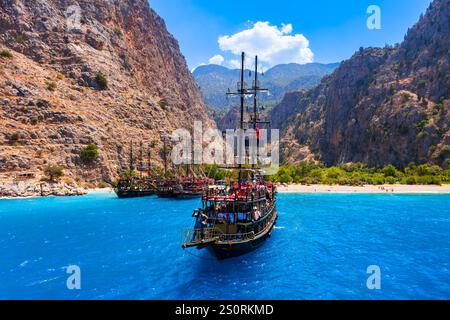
[178, 196]
[165, 195]
[134, 194]
[227, 251]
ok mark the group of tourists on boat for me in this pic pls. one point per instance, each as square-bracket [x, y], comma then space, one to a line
[242, 202]
[240, 191]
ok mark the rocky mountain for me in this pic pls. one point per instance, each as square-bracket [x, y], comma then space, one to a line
[215, 80]
[80, 72]
[382, 106]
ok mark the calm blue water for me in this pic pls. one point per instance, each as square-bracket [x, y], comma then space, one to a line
[130, 249]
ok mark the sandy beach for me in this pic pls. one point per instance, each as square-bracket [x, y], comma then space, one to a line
[100, 190]
[395, 189]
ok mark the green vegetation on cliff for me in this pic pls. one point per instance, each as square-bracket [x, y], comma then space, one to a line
[360, 174]
[89, 154]
[54, 172]
[5, 54]
[102, 81]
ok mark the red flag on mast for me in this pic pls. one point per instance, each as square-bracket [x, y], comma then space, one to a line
[258, 132]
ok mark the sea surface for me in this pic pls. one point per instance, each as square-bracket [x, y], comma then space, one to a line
[321, 249]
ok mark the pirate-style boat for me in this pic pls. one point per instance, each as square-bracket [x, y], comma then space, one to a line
[135, 187]
[183, 188]
[141, 185]
[238, 218]
[187, 186]
[192, 187]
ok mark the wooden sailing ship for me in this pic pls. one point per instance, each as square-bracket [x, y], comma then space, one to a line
[183, 186]
[237, 218]
[135, 187]
[192, 187]
[141, 185]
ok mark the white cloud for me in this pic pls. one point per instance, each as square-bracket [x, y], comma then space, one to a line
[287, 28]
[217, 59]
[273, 45]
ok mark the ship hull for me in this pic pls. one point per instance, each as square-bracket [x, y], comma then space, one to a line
[227, 251]
[178, 196]
[134, 194]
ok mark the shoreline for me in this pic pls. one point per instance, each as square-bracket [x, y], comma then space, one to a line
[100, 190]
[367, 189]
[295, 189]
[79, 194]
[31, 189]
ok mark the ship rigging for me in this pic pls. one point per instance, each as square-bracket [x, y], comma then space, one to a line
[237, 218]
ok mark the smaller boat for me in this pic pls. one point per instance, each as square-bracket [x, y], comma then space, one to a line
[186, 186]
[183, 188]
[191, 188]
[166, 188]
[135, 187]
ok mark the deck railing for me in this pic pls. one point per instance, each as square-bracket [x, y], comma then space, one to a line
[241, 196]
[197, 237]
[236, 238]
[193, 236]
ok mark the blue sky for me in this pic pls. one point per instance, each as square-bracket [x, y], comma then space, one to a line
[331, 30]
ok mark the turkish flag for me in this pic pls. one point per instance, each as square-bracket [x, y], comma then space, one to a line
[258, 132]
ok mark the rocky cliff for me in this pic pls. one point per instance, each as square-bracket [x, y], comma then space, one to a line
[81, 72]
[382, 106]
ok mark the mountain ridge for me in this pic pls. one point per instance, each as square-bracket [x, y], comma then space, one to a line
[382, 106]
[214, 80]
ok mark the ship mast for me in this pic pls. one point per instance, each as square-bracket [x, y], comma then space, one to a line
[141, 167]
[256, 121]
[131, 157]
[242, 92]
[149, 155]
[255, 111]
[165, 139]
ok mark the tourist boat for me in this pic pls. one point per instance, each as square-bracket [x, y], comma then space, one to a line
[166, 188]
[134, 186]
[191, 187]
[183, 188]
[234, 220]
[240, 217]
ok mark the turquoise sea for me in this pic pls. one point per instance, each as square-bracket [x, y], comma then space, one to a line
[321, 248]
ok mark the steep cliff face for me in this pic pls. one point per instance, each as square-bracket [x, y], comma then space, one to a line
[98, 71]
[381, 106]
